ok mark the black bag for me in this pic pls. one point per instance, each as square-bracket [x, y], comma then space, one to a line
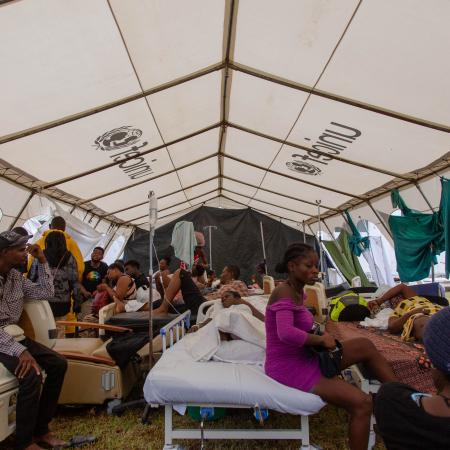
[329, 360]
[125, 345]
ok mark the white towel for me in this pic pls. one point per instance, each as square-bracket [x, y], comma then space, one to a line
[236, 320]
[379, 321]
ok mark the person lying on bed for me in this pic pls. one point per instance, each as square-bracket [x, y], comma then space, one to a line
[412, 420]
[230, 298]
[411, 312]
[290, 359]
[192, 297]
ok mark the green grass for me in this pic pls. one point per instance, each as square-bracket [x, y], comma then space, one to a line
[328, 429]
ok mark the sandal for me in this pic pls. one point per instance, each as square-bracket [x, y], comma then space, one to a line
[78, 441]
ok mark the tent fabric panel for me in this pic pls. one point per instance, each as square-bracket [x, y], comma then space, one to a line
[59, 64]
[13, 200]
[188, 107]
[235, 169]
[191, 42]
[119, 176]
[285, 202]
[161, 186]
[388, 55]
[366, 137]
[295, 188]
[201, 188]
[278, 211]
[296, 50]
[199, 171]
[195, 148]
[239, 188]
[243, 145]
[224, 203]
[264, 106]
[86, 144]
[332, 174]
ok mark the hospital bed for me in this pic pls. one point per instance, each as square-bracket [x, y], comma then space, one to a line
[177, 381]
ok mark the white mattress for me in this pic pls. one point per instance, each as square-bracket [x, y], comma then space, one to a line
[178, 380]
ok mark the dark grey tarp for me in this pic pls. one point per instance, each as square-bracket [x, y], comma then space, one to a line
[237, 239]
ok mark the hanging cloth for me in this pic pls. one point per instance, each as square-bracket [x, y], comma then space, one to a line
[444, 219]
[357, 243]
[346, 261]
[418, 238]
[184, 242]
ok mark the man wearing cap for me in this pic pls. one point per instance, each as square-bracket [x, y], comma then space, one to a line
[26, 358]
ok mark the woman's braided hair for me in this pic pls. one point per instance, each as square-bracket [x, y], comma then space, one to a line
[295, 250]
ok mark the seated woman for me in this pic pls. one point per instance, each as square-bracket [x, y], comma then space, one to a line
[123, 290]
[192, 297]
[411, 312]
[411, 420]
[289, 359]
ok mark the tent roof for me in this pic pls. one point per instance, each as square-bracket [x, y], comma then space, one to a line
[271, 105]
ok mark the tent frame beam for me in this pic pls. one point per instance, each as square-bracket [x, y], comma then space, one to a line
[267, 203]
[226, 177]
[319, 152]
[284, 175]
[172, 206]
[164, 196]
[387, 188]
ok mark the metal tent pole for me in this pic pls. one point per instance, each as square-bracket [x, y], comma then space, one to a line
[152, 218]
[304, 234]
[370, 249]
[210, 228]
[263, 246]
[322, 264]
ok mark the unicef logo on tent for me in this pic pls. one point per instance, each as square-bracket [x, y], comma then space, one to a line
[303, 167]
[118, 138]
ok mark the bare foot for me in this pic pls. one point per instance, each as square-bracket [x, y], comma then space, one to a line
[50, 440]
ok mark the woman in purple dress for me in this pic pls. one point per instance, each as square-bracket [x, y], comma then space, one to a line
[290, 361]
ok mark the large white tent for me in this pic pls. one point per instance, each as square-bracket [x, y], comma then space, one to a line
[274, 105]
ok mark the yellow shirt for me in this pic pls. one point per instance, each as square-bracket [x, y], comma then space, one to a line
[409, 304]
[72, 246]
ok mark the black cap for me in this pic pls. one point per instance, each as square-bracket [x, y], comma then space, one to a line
[12, 239]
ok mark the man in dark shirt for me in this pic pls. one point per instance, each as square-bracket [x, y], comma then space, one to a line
[94, 272]
[132, 269]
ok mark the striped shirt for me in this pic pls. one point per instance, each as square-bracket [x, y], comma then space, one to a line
[14, 288]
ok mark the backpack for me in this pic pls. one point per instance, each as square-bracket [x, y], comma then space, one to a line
[349, 307]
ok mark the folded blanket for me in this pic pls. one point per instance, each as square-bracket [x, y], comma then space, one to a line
[379, 321]
[238, 320]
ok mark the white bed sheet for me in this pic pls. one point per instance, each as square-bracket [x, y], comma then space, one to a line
[178, 380]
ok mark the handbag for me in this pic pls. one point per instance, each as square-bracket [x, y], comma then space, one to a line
[329, 360]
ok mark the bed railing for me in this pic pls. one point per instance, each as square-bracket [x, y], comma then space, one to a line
[176, 328]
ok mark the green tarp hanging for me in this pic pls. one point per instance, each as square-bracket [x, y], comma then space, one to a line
[356, 242]
[346, 261]
[419, 237]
